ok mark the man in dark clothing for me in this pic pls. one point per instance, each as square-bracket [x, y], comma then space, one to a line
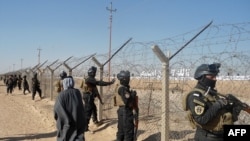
[207, 111]
[69, 113]
[25, 84]
[14, 81]
[128, 109]
[36, 87]
[10, 84]
[19, 82]
[90, 93]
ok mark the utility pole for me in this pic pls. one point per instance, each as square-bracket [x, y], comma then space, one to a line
[13, 67]
[111, 10]
[21, 63]
[39, 50]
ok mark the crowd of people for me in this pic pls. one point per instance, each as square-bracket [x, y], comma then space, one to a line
[11, 82]
[73, 109]
[17, 82]
[14, 81]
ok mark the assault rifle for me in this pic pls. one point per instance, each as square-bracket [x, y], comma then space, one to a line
[135, 113]
[234, 101]
[236, 104]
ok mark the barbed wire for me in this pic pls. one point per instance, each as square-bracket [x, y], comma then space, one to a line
[225, 43]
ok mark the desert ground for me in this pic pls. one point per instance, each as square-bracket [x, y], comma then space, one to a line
[23, 119]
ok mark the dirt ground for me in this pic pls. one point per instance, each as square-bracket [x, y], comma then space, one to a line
[23, 119]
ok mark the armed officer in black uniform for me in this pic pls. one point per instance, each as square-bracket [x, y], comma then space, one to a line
[36, 87]
[90, 93]
[25, 85]
[207, 111]
[125, 98]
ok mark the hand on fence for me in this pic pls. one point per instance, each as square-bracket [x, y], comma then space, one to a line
[113, 81]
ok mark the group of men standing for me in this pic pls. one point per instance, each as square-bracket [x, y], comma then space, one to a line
[207, 111]
[73, 109]
[13, 81]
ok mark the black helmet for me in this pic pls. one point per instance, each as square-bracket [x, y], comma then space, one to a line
[207, 69]
[92, 71]
[63, 74]
[124, 77]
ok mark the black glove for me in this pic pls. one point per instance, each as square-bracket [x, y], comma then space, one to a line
[236, 111]
[113, 81]
[133, 93]
[223, 102]
[229, 99]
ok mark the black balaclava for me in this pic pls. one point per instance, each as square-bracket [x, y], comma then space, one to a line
[205, 82]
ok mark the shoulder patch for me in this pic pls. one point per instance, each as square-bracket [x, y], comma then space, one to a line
[199, 109]
[127, 95]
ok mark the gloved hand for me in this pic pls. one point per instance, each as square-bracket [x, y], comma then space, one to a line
[236, 111]
[113, 81]
[223, 102]
[133, 93]
[230, 101]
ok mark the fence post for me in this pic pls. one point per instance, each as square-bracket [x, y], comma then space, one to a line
[165, 93]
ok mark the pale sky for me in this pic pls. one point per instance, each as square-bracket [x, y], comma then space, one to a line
[64, 28]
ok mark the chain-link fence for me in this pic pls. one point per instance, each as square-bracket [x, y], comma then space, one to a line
[227, 44]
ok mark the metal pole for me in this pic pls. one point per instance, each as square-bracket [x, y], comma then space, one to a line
[64, 63]
[165, 93]
[21, 63]
[165, 85]
[100, 112]
[111, 10]
[101, 66]
[51, 79]
[51, 82]
[39, 49]
[118, 51]
[191, 40]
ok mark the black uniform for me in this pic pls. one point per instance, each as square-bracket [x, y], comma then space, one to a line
[89, 98]
[10, 84]
[125, 115]
[25, 85]
[14, 81]
[207, 111]
[36, 87]
[19, 82]
[128, 109]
